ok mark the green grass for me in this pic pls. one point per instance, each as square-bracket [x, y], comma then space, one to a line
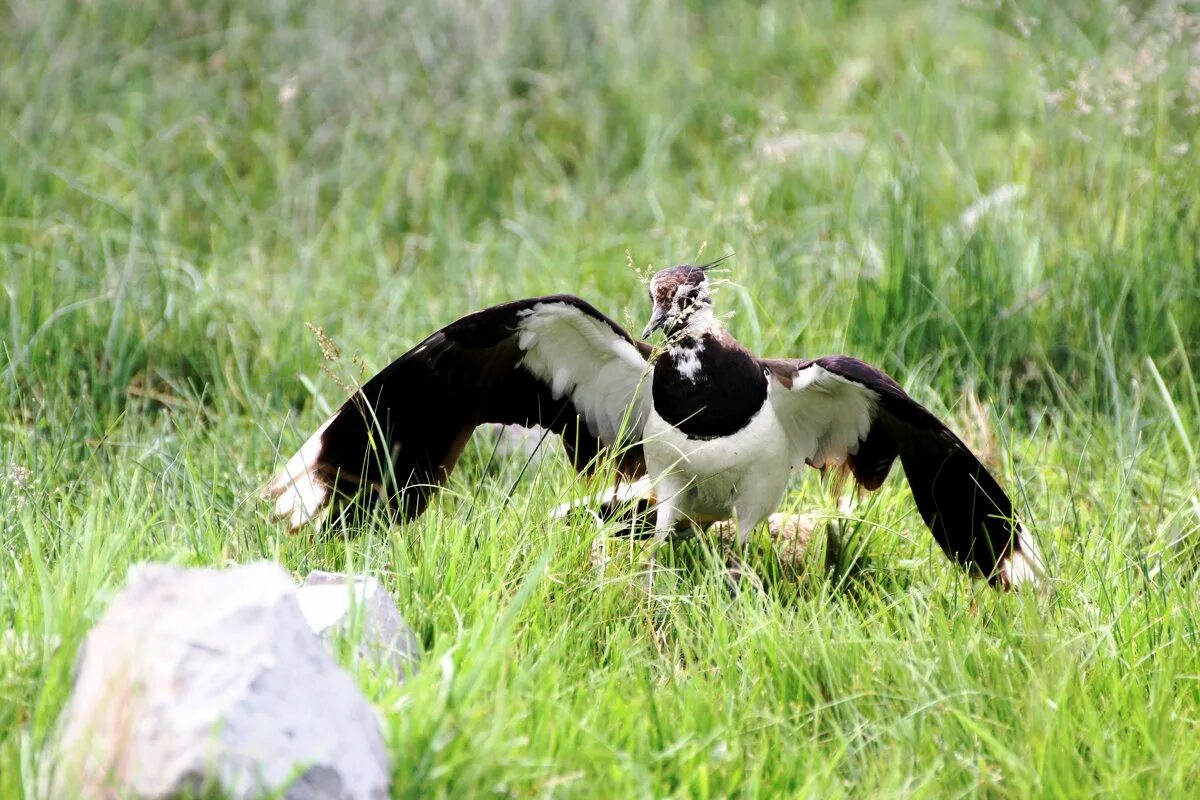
[183, 188]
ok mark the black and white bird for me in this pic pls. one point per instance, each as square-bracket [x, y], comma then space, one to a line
[715, 429]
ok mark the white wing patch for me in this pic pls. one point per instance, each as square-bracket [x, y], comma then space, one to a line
[582, 358]
[825, 415]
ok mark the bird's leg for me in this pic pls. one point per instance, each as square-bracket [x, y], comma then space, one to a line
[665, 519]
[847, 502]
[736, 569]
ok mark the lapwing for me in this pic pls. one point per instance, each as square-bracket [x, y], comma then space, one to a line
[715, 429]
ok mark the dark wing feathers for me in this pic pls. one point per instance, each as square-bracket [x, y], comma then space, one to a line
[969, 514]
[529, 362]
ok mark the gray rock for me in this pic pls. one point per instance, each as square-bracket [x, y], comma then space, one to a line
[199, 679]
[359, 606]
[791, 535]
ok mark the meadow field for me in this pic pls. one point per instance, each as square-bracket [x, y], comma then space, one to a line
[997, 202]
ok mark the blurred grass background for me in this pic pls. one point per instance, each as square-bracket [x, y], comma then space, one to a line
[994, 201]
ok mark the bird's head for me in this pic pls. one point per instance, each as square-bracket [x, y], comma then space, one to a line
[675, 294]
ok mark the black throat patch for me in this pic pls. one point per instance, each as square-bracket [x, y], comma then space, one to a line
[708, 387]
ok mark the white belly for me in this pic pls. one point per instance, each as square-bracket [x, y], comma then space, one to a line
[745, 473]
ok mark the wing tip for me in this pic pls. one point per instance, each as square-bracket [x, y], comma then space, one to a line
[607, 504]
[301, 502]
[1022, 565]
[298, 491]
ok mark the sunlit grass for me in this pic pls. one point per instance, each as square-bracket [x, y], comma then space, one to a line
[997, 205]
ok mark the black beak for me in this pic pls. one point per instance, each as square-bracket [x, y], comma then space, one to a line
[657, 320]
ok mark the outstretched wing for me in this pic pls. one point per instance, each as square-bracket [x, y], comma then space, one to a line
[550, 361]
[841, 412]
